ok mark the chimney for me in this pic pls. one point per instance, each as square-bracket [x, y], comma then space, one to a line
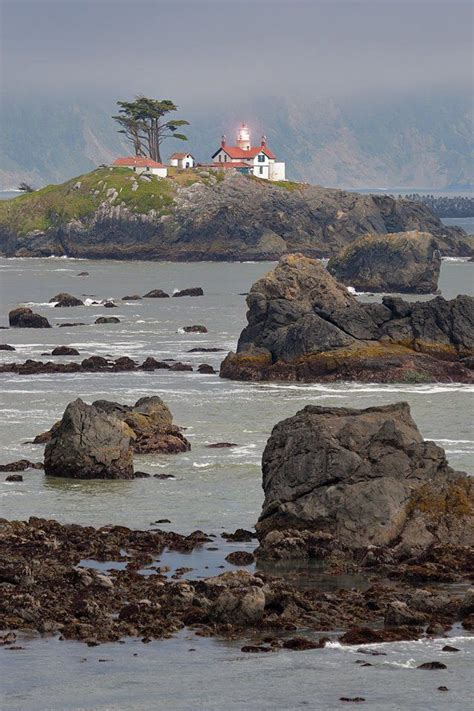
[223, 141]
[263, 142]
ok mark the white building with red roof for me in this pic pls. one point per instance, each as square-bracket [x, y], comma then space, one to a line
[141, 164]
[182, 160]
[245, 158]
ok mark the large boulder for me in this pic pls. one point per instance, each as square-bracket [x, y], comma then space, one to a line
[304, 325]
[404, 262]
[88, 443]
[23, 317]
[360, 479]
[152, 424]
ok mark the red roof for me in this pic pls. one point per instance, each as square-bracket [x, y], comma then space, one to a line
[179, 156]
[137, 162]
[236, 152]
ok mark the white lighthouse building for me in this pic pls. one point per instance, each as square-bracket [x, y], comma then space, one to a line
[250, 160]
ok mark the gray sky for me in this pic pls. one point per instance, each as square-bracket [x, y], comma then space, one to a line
[209, 51]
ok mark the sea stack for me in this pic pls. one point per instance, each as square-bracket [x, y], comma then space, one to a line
[360, 481]
[304, 325]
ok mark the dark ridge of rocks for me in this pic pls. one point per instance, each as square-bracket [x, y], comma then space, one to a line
[96, 363]
[88, 443]
[221, 445]
[191, 291]
[64, 300]
[156, 294]
[363, 487]
[134, 297]
[107, 319]
[304, 325]
[82, 274]
[14, 477]
[20, 466]
[195, 329]
[205, 350]
[404, 262]
[24, 317]
[6, 347]
[45, 589]
[109, 305]
[71, 325]
[64, 351]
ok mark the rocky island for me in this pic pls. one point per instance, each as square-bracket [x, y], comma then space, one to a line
[304, 325]
[202, 214]
[404, 262]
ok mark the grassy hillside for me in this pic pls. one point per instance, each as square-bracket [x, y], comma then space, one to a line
[81, 196]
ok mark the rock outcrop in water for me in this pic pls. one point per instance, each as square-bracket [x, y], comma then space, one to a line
[304, 325]
[63, 300]
[23, 317]
[363, 481]
[205, 215]
[149, 424]
[89, 444]
[405, 262]
[152, 424]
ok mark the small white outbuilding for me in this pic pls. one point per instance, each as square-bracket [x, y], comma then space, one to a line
[141, 164]
[182, 160]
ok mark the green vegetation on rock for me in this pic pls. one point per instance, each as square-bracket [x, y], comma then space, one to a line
[78, 198]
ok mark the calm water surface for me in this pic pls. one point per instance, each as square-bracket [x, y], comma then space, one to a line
[213, 490]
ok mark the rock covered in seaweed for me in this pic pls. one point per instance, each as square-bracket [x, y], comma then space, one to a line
[403, 262]
[360, 480]
[304, 325]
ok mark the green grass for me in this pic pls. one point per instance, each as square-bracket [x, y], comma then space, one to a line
[78, 198]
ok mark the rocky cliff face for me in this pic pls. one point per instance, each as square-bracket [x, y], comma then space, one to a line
[360, 479]
[304, 325]
[403, 262]
[204, 215]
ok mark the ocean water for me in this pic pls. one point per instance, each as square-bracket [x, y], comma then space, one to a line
[213, 490]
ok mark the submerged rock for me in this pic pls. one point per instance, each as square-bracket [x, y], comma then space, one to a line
[64, 351]
[107, 319]
[24, 317]
[404, 262]
[304, 325]
[192, 291]
[63, 300]
[360, 480]
[156, 294]
[89, 444]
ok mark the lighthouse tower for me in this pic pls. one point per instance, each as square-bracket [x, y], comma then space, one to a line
[243, 138]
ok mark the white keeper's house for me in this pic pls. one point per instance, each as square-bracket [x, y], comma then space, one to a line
[140, 164]
[182, 160]
[251, 160]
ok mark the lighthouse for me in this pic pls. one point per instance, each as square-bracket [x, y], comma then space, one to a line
[243, 138]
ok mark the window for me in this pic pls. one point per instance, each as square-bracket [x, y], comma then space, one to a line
[261, 157]
[225, 158]
[261, 170]
[220, 158]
